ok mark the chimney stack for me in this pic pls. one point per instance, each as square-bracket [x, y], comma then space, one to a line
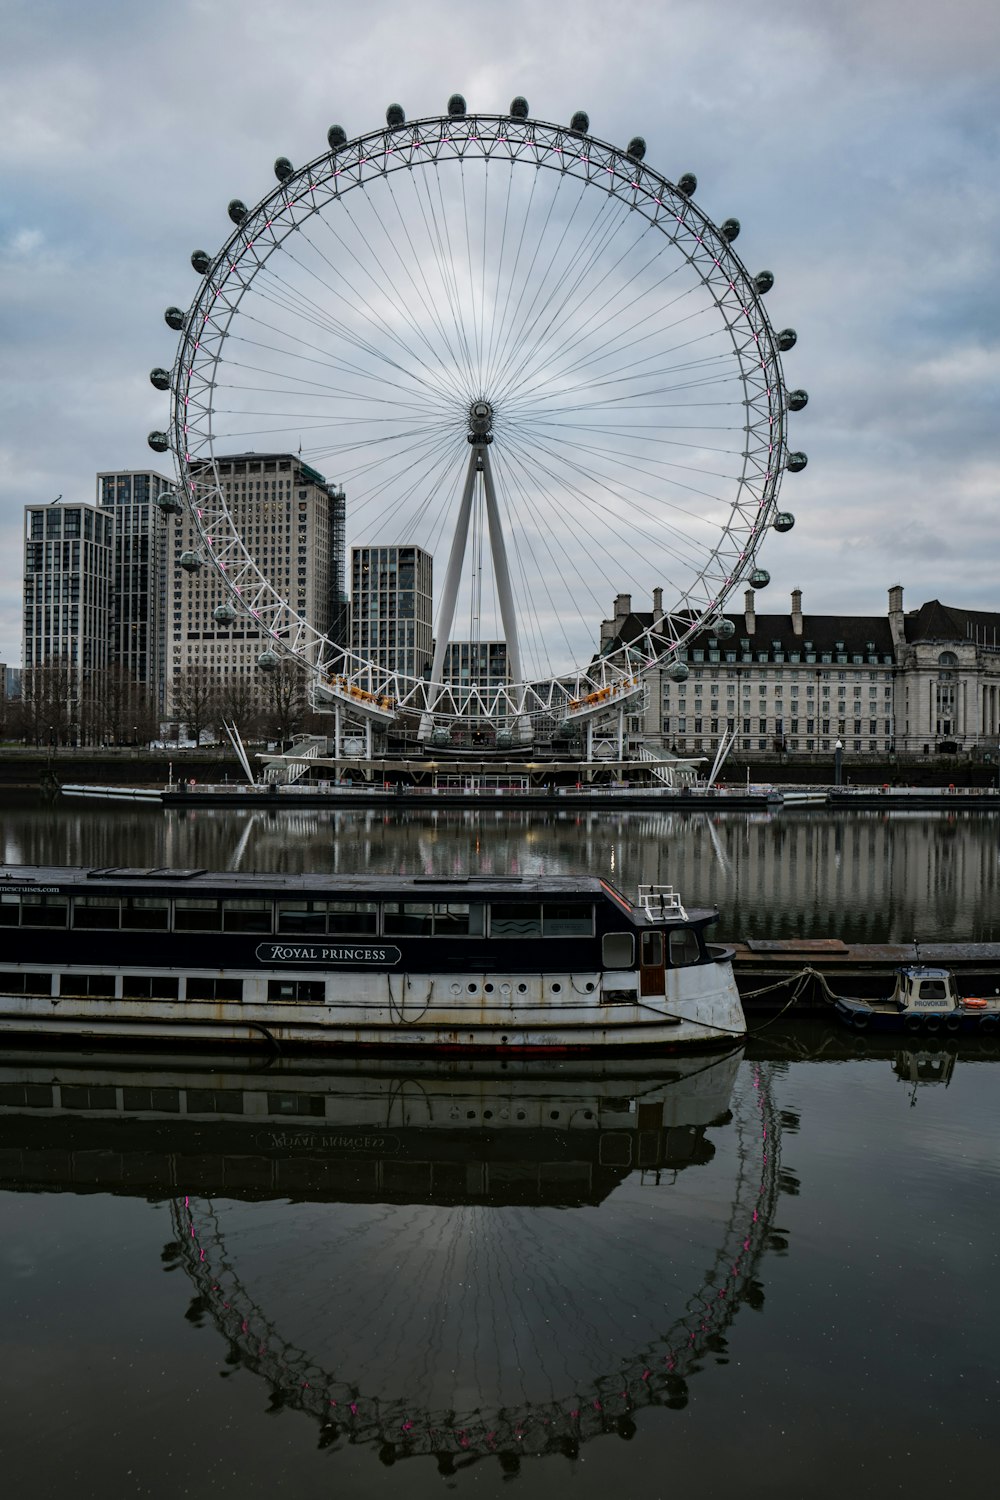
[797, 611]
[748, 612]
[657, 606]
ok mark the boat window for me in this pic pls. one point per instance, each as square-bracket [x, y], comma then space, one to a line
[148, 987]
[137, 1100]
[459, 919]
[933, 989]
[10, 910]
[618, 950]
[246, 916]
[651, 949]
[521, 920]
[303, 991]
[27, 1095]
[44, 911]
[353, 918]
[196, 914]
[443, 918]
[301, 916]
[214, 1102]
[20, 983]
[96, 911]
[96, 986]
[214, 989]
[88, 1096]
[401, 917]
[146, 913]
[560, 920]
[296, 1104]
[684, 947]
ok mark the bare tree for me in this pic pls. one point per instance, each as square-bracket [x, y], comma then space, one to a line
[241, 702]
[116, 708]
[196, 692]
[286, 704]
[48, 704]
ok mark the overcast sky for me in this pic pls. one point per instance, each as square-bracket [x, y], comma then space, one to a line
[856, 140]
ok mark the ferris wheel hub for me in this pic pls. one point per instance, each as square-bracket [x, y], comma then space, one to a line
[480, 422]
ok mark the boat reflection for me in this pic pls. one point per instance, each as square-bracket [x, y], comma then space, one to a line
[454, 1259]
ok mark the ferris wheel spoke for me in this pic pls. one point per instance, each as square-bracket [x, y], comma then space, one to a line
[579, 286]
[611, 519]
[516, 316]
[426, 296]
[318, 317]
[359, 304]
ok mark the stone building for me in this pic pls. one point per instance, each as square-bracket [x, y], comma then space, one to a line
[291, 521]
[921, 682]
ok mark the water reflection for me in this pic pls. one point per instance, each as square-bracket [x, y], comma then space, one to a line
[458, 1260]
[875, 877]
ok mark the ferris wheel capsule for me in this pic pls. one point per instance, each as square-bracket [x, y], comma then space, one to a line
[519, 107]
[169, 503]
[580, 123]
[237, 210]
[283, 169]
[679, 671]
[797, 400]
[191, 562]
[224, 613]
[725, 629]
[158, 441]
[174, 318]
[730, 229]
[687, 184]
[784, 521]
[796, 462]
[456, 107]
[268, 661]
[160, 378]
[200, 261]
[395, 116]
[763, 281]
[759, 578]
[787, 339]
[337, 137]
[636, 148]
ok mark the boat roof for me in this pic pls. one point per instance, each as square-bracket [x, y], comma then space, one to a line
[924, 971]
[360, 886]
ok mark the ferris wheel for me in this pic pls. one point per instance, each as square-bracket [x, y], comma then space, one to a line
[524, 355]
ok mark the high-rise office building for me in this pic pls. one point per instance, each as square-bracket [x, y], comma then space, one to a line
[68, 552]
[392, 600]
[292, 524]
[139, 580]
[481, 664]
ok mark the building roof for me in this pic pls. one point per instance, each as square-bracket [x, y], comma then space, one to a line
[935, 621]
[859, 634]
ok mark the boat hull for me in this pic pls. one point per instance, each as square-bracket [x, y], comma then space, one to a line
[415, 1012]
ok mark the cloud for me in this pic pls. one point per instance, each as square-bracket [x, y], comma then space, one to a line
[856, 143]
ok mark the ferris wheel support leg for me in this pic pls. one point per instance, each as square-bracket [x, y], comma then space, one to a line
[505, 594]
[452, 578]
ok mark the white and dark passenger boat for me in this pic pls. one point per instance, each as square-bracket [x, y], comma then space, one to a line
[515, 963]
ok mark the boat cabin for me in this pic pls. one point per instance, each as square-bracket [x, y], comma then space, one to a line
[920, 990]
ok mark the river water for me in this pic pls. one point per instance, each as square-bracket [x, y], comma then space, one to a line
[768, 1273]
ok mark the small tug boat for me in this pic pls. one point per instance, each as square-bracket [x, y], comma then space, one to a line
[925, 1000]
[422, 962]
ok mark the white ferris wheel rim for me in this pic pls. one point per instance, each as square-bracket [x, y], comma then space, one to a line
[243, 264]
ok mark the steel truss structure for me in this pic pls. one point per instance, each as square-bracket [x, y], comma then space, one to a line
[637, 406]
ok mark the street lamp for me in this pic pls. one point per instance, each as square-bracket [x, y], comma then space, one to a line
[838, 751]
